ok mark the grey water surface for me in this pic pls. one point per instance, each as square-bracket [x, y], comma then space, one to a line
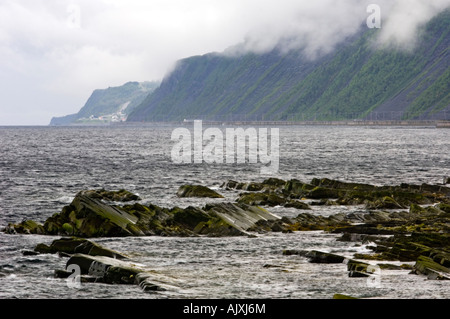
[42, 168]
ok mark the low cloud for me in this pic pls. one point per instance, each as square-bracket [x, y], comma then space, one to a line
[404, 18]
[316, 27]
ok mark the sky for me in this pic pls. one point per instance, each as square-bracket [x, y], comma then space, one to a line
[55, 53]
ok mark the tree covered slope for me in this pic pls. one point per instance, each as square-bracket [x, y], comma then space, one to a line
[357, 80]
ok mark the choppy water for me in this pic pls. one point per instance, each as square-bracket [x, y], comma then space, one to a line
[42, 168]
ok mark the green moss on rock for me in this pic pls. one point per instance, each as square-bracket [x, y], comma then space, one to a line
[197, 191]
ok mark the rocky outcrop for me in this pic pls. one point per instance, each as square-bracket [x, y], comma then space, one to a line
[90, 215]
[273, 192]
[89, 262]
[432, 269]
[420, 234]
[197, 191]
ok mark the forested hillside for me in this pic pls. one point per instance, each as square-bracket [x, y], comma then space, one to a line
[357, 80]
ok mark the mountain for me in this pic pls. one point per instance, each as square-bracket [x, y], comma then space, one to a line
[357, 80]
[109, 105]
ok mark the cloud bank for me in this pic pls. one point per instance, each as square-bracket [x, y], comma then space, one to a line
[54, 53]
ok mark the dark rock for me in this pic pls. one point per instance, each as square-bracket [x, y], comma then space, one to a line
[197, 191]
[357, 268]
[116, 196]
[386, 202]
[341, 296]
[232, 185]
[297, 204]
[189, 217]
[233, 219]
[428, 267]
[324, 258]
[43, 249]
[261, 199]
[295, 186]
[29, 253]
[106, 269]
[289, 252]
[60, 273]
[150, 282]
[89, 216]
[444, 207]
[322, 192]
[357, 274]
[279, 225]
[315, 256]
[253, 187]
[25, 227]
[276, 182]
[393, 267]
[74, 245]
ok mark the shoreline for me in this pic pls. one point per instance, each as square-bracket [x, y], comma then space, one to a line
[349, 123]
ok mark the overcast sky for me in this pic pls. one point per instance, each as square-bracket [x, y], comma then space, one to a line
[54, 53]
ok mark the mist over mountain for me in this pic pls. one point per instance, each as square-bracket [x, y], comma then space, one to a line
[109, 105]
[368, 73]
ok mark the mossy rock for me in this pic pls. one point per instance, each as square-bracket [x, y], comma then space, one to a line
[25, 227]
[444, 207]
[189, 217]
[341, 296]
[253, 187]
[386, 202]
[261, 199]
[428, 267]
[344, 186]
[68, 228]
[276, 182]
[297, 204]
[197, 191]
[322, 192]
[231, 184]
[121, 195]
[297, 187]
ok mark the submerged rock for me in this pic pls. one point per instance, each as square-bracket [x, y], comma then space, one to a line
[355, 268]
[105, 269]
[94, 263]
[73, 245]
[115, 196]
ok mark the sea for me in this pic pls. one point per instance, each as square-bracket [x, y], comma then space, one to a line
[42, 168]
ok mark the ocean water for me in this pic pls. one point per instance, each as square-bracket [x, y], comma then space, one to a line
[42, 168]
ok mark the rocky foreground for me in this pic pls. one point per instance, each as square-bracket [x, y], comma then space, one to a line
[408, 223]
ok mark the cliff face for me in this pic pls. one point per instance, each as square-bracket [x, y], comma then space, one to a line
[355, 81]
[114, 101]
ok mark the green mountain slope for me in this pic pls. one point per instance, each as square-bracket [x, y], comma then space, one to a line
[109, 104]
[357, 80]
